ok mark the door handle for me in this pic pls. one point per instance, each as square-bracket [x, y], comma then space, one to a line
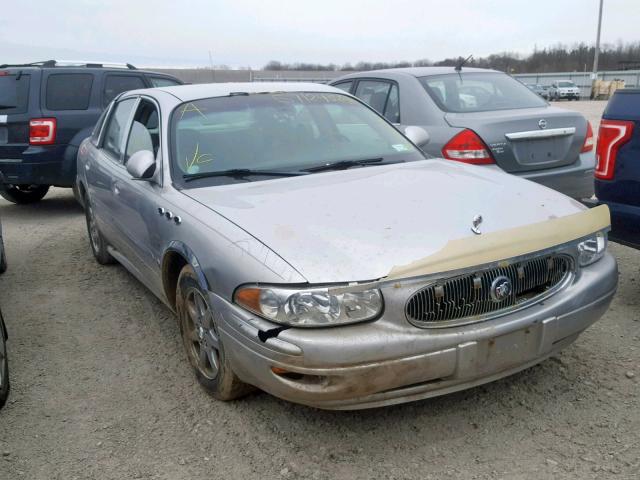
[116, 190]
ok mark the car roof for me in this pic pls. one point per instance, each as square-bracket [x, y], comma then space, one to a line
[421, 71]
[187, 93]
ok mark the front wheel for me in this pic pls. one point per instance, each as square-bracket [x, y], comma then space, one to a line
[23, 194]
[199, 327]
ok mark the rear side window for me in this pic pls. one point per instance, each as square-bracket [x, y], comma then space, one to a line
[382, 97]
[114, 85]
[163, 82]
[14, 93]
[373, 93]
[346, 86]
[479, 92]
[95, 134]
[116, 128]
[68, 91]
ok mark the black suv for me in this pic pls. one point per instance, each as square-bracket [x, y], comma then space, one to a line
[46, 110]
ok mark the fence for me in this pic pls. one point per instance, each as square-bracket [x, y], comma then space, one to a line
[204, 75]
[582, 79]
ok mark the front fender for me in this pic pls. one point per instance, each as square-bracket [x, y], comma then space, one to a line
[186, 252]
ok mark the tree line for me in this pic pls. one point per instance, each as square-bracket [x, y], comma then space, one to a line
[558, 58]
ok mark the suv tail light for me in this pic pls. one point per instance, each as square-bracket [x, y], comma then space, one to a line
[42, 131]
[467, 147]
[612, 135]
[589, 141]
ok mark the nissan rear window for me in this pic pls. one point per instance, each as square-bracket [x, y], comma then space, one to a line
[479, 92]
[68, 91]
[14, 93]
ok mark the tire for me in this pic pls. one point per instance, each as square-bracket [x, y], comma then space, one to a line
[77, 195]
[202, 341]
[3, 257]
[24, 194]
[5, 385]
[96, 240]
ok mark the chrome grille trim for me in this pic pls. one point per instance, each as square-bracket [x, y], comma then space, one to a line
[466, 298]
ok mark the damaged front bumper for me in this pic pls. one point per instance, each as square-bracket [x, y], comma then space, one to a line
[390, 361]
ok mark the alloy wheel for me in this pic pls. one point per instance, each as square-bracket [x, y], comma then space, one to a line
[94, 234]
[201, 335]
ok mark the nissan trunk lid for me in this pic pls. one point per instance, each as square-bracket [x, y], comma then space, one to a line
[527, 139]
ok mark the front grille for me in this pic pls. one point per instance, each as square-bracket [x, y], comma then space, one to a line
[469, 297]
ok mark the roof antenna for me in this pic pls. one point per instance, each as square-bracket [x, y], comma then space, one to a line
[462, 63]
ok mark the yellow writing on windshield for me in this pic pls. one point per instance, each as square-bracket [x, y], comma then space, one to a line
[198, 158]
[190, 107]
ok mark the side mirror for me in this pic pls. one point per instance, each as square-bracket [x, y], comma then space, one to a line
[417, 135]
[141, 165]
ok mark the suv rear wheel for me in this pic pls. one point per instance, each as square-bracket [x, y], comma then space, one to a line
[22, 194]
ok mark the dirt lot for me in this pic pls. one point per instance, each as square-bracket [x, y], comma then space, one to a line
[101, 389]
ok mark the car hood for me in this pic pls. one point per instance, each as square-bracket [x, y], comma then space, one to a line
[357, 224]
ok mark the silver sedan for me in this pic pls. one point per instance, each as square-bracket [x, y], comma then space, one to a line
[485, 117]
[311, 250]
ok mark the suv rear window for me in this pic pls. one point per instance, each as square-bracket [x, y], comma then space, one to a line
[479, 92]
[14, 93]
[68, 91]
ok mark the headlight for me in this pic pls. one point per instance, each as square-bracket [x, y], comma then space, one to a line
[313, 307]
[592, 249]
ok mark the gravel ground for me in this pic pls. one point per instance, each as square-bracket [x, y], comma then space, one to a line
[102, 390]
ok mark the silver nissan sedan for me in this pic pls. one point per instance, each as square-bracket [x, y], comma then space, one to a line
[310, 249]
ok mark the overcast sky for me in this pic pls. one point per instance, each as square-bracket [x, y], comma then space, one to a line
[252, 32]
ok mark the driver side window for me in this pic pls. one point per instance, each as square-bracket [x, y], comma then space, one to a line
[145, 130]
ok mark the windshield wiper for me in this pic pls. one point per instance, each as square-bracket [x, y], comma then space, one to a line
[239, 172]
[344, 164]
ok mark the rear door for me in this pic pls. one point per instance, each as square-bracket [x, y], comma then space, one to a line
[382, 96]
[17, 90]
[106, 167]
[522, 131]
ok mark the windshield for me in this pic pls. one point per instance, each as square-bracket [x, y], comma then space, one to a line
[479, 92]
[278, 132]
[14, 93]
[566, 84]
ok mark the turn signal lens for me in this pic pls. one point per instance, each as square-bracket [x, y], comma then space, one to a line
[467, 147]
[589, 141]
